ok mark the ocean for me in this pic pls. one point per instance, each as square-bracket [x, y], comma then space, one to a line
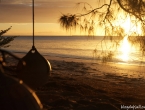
[78, 47]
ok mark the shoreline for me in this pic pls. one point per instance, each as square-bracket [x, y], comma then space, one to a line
[83, 59]
[134, 71]
[81, 85]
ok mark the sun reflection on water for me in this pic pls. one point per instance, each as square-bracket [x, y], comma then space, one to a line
[125, 49]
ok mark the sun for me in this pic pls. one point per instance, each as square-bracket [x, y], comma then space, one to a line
[125, 49]
[125, 46]
[130, 26]
[126, 25]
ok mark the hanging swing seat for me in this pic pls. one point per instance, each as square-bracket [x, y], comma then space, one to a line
[14, 94]
[36, 69]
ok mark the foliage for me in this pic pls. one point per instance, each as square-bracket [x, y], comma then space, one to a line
[109, 15]
[4, 41]
[107, 57]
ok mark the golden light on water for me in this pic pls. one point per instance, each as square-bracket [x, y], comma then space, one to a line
[125, 46]
[125, 49]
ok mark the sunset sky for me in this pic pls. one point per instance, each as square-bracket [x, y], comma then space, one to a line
[18, 14]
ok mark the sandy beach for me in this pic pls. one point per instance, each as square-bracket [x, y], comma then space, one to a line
[76, 84]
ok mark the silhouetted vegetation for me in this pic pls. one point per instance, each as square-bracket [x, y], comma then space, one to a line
[109, 15]
[4, 41]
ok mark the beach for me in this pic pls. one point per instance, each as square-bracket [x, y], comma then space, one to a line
[76, 84]
[97, 61]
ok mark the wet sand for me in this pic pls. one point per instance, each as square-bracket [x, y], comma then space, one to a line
[76, 84]
[82, 85]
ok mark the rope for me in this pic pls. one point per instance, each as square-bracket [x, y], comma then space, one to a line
[33, 22]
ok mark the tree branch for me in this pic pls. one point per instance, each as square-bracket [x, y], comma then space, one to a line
[130, 11]
[92, 10]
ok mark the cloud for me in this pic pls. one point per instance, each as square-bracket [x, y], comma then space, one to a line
[16, 12]
[40, 1]
[46, 11]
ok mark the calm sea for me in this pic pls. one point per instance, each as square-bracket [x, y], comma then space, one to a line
[79, 47]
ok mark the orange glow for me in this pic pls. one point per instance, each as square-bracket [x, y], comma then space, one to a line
[130, 27]
[125, 46]
[22, 29]
[125, 49]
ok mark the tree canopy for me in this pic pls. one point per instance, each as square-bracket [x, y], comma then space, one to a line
[111, 16]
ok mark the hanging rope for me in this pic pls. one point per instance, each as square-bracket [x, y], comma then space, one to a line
[37, 69]
[33, 47]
